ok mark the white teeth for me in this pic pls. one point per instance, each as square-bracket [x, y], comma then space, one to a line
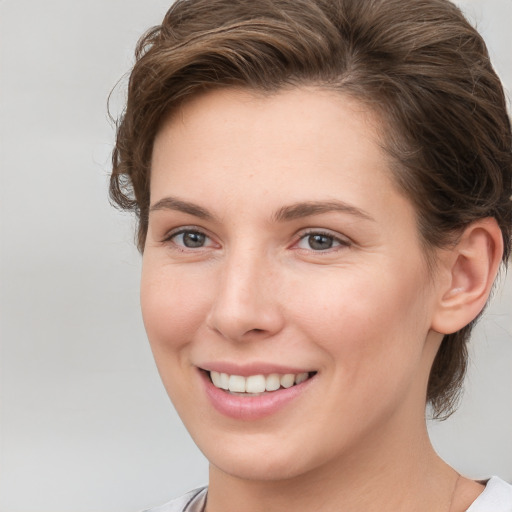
[255, 384]
[301, 377]
[236, 384]
[288, 380]
[224, 381]
[273, 382]
[215, 379]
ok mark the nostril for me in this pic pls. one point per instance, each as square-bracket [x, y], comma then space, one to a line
[243, 320]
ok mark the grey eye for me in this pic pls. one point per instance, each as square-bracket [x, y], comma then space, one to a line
[191, 239]
[320, 242]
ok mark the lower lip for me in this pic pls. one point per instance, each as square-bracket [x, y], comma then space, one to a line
[251, 407]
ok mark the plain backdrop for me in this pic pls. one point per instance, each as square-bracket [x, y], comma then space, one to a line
[85, 423]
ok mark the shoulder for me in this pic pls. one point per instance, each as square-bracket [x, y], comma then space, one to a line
[192, 501]
[496, 497]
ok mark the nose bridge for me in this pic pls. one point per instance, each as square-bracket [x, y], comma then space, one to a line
[245, 303]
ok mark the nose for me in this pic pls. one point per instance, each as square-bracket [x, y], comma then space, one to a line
[246, 304]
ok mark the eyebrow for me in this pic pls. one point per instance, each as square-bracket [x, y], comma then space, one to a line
[171, 203]
[286, 213]
[299, 210]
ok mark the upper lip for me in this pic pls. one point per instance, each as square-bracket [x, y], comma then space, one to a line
[248, 369]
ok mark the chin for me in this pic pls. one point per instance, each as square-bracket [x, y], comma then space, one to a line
[257, 468]
[254, 461]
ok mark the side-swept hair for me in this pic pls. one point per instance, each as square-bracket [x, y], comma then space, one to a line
[417, 63]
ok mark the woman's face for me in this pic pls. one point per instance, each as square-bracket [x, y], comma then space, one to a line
[278, 249]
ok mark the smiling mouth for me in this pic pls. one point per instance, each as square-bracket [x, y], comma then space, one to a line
[256, 385]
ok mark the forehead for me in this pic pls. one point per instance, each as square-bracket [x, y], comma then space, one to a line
[249, 129]
[239, 147]
[314, 106]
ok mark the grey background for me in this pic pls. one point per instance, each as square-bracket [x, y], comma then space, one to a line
[85, 423]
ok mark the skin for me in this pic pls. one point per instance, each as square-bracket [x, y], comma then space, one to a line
[365, 313]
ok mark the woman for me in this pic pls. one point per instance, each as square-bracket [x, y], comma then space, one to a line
[323, 191]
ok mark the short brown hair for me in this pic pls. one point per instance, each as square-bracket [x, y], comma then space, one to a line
[418, 63]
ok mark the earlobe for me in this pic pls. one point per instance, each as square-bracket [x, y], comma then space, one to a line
[471, 267]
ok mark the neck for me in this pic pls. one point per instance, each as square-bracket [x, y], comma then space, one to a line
[401, 474]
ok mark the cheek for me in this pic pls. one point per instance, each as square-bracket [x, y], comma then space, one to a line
[172, 308]
[368, 324]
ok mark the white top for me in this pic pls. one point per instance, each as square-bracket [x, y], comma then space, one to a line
[496, 497]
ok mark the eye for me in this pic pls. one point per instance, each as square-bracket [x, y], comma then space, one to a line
[319, 241]
[190, 239]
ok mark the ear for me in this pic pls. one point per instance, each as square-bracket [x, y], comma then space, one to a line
[468, 270]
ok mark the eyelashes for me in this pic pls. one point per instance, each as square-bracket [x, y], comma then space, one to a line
[194, 239]
[321, 241]
[188, 238]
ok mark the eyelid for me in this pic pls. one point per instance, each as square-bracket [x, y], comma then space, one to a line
[169, 235]
[342, 240]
